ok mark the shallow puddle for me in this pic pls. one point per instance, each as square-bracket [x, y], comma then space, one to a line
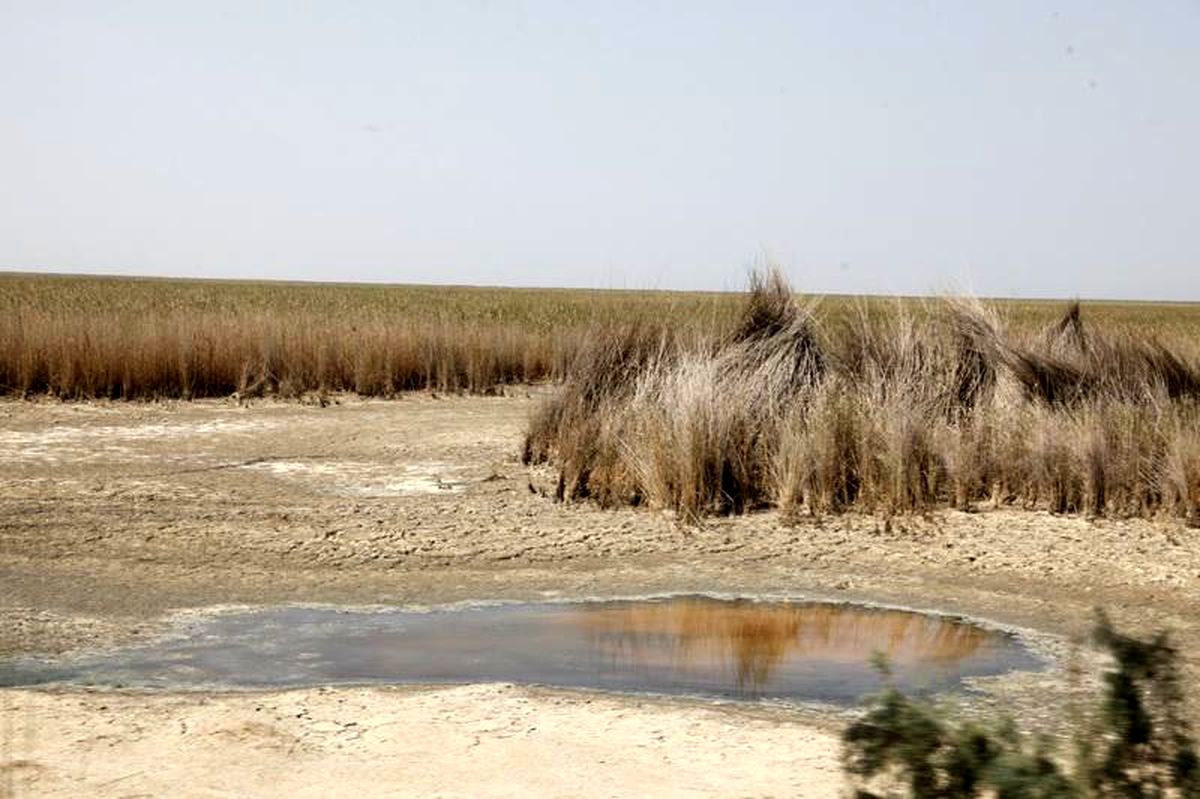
[678, 645]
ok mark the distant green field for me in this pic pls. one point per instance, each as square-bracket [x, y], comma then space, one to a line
[80, 337]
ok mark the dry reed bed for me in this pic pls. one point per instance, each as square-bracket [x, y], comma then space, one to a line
[192, 355]
[85, 338]
[882, 411]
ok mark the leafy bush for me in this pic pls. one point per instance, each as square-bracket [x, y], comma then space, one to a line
[1135, 744]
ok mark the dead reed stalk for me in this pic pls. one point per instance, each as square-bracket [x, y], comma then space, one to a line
[885, 412]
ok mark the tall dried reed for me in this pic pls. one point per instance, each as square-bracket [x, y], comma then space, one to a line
[189, 355]
[881, 409]
[82, 338]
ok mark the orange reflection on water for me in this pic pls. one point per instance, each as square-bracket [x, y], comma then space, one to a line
[754, 638]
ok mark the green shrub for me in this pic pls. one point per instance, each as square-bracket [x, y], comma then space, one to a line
[1136, 744]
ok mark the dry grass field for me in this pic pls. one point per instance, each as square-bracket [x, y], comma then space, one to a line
[84, 337]
[703, 403]
[128, 338]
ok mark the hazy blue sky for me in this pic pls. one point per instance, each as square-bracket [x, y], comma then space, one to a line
[1007, 148]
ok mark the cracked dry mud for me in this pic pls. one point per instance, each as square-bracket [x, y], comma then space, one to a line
[113, 516]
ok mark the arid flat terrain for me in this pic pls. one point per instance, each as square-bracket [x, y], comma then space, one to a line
[114, 516]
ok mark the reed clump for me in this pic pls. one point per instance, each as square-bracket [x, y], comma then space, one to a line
[886, 409]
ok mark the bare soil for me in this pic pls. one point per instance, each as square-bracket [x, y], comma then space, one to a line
[113, 516]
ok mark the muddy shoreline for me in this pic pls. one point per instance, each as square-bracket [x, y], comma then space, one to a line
[113, 516]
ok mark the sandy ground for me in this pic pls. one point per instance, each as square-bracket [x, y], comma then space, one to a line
[479, 740]
[113, 515]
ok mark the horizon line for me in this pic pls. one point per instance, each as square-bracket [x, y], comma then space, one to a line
[9, 272]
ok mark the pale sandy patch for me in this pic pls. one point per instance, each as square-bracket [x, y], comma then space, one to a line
[468, 741]
[67, 444]
[368, 479]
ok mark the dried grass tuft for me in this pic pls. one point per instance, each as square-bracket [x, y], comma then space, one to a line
[882, 410]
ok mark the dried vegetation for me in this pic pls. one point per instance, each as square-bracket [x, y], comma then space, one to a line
[881, 408]
[141, 339]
